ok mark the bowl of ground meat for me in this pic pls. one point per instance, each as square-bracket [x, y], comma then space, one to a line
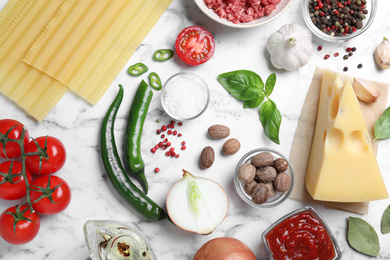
[243, 13]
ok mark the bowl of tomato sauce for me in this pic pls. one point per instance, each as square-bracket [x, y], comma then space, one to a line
[302, 234]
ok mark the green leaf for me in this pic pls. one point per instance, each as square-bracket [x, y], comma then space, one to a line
[270, 118]
[270, 84]
[256, 102]
[242, 84]
[362, 237]
[385, 224]
[382, 126]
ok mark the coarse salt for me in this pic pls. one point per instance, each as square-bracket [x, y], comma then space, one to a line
[185, 96]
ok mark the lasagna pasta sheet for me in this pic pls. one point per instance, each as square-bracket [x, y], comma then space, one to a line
[86, 44]
[21, 22]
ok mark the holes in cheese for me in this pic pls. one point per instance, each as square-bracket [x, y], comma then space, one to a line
[330, 90]
[357, 143]
[334, 106]
[334, 139]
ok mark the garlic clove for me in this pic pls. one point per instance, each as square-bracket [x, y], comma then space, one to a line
[382, 54]
[365, 91]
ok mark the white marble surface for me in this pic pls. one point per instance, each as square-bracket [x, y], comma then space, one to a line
[77, 124]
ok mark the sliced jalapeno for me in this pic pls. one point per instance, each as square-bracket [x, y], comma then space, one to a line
[155, 81]
[137, 69]
[162, 55]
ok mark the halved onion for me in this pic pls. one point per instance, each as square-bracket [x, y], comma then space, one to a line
[197, 204]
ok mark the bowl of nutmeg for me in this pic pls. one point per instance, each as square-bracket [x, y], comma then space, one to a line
[264, 178]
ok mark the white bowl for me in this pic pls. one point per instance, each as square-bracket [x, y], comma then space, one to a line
[280, 8]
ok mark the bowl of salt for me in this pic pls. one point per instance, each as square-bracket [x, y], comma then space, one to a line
[185, 96]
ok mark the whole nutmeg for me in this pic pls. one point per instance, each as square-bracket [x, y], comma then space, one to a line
[218, 131]
[263, 159]
[231, 146]
[260, 193]
[282, 182]
[249, 186]
[271, 189]
[246, 173]
[266, 174]
[281, 165]
[207, 157]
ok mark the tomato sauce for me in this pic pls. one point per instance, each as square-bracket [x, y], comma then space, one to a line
[301, 236]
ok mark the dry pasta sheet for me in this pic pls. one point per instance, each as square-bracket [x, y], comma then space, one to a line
[86, 45]
[21, 22]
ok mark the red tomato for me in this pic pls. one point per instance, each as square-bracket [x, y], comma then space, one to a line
[58, 191]
[53, 158]
[13, 188]
[195, 45]
[12, 149]
[25, 230]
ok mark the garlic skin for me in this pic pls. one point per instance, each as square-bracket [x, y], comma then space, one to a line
[382, 54]
[290, 47]
[365, 91]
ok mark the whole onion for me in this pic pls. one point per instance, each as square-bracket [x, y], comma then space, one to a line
[224, 248]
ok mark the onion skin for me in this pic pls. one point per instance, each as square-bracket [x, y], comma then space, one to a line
[224, 248]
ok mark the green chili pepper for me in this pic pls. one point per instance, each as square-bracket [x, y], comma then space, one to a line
[163, 55]
[155, 81]
[137, 69]
[135, 123]
[116, 173]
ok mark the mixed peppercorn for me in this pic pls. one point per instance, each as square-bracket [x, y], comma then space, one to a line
[338, 17]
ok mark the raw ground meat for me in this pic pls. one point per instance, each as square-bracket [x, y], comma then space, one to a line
[242, 11]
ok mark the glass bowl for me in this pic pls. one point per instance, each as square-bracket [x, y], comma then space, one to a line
[280, 8]
[279, 197]
[111, 239]
[185, 96]
[319, 219]
[371, 6]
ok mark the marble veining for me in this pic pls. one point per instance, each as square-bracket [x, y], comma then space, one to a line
[77, 124]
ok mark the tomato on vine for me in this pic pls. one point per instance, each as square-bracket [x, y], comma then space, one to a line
[12, 183]
[50, 194]
[51, 158]
[18, 225]
[11, 129]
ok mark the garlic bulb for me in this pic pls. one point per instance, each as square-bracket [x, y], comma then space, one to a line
[382, 54]
[290, 47]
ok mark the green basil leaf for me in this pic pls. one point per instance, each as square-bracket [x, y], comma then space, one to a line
[385, 224]
[270, 84]
[382, 126]
[256, 102]
[362, 237]
[270, 118]
[242, 84]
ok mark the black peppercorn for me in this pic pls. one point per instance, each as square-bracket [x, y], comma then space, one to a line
[345, 57]
[360, 66]
[345, 69]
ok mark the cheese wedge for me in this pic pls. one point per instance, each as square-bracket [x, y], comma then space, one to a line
[342, 166]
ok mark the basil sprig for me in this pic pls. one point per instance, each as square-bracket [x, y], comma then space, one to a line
[382, 126]
[247, 86]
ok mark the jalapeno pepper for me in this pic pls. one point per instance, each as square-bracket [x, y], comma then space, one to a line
[137, 69]
[116, 173]
[155, 81]
[162, 55]
[135, 123]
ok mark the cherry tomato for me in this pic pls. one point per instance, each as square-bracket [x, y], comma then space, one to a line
[13, 188]
[25, 230]
[12, 149]
[53, 157]
[57, 196]
[195, 45]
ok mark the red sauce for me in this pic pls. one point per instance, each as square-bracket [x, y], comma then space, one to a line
[301, 236]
